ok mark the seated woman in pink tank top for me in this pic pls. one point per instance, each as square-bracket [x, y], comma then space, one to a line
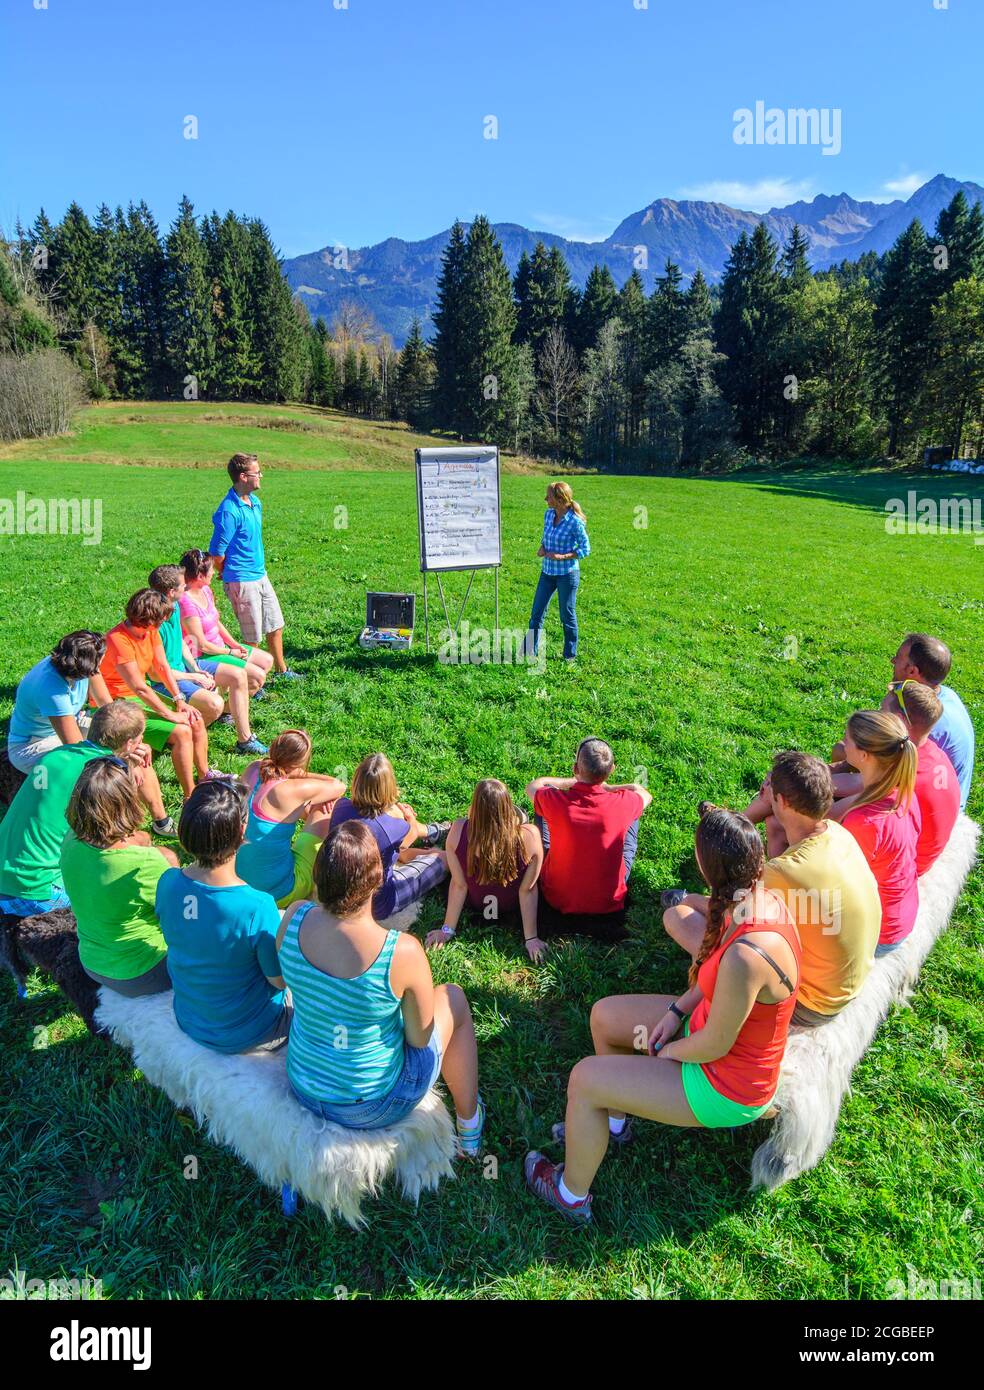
[884, 816]
[210, 640]
[494, 857]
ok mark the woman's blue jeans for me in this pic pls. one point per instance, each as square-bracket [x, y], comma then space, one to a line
[566, 587]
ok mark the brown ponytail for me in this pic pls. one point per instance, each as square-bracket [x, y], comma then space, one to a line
[289, 752]
[731, 857]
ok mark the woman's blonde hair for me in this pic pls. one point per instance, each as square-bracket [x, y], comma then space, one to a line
[289, 752]
[105, 806]
[495, 836]
[562, 496]
[373, 785]
[887, 739]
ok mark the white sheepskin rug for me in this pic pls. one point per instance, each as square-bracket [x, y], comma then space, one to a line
[816, 1071]
[245, 1103]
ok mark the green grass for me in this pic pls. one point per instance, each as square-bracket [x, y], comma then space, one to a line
[685, 623]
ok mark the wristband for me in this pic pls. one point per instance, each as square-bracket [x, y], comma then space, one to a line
[681, 1016]
[447, 931]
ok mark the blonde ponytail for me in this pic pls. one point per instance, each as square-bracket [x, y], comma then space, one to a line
[887, 739]
[564, 497]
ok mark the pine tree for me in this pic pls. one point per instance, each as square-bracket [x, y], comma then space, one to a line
[449, 336]
[747, 327]
[323, 383]
[71, 265]
[189, 328]
[414, 378]
[903, 320]
[698, 304]
[140, 347]
[795, 265]
[960, 231]
[487, 356]
[632, 312]
[669, 318]
[238, 365]
[278, 333]
[597, 306]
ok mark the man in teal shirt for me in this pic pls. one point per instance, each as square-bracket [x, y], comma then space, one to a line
[237, 552]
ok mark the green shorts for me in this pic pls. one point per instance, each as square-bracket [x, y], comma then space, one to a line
[224, 659]
[305, 851]
[158, 730]
[710, 1107]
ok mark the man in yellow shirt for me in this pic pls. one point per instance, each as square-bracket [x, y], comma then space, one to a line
[828, 887]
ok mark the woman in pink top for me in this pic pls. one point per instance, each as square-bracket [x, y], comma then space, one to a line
[210, 640]
[884, 816]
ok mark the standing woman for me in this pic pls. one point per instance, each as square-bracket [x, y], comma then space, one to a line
[564, 545]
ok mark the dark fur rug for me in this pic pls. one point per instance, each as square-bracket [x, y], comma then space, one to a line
[50, 942]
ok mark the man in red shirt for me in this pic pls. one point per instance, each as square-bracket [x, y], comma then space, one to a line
[590, 831]
[937, 783]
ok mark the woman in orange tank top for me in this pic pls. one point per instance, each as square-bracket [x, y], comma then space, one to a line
[709, 1059]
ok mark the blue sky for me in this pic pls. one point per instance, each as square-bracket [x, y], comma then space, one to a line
[347, 125]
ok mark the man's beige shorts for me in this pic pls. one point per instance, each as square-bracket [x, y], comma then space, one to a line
[255, 605]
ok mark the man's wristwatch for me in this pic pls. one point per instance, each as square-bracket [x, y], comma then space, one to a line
[445, 930]
[680, 1015]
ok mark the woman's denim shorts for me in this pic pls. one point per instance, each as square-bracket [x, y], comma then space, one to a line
[421, 1067]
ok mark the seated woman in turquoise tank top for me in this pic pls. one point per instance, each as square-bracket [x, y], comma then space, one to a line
[371, 1031]
[283, 795]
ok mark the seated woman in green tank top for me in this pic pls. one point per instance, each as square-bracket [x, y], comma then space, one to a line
[371, 1031]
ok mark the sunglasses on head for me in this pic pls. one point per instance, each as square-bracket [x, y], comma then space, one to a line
[897, 688]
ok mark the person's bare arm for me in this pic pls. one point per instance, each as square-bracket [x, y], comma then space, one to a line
[636, 787]
[457, 890]
[529, 894]
[413, 985]
[99, 691]
[742, 975]
[317, 788]
[66, 726]
[134, 678]
[562, 784]
[218, 561]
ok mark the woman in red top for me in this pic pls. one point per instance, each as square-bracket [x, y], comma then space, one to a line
[495, 858]
[884, 816]
[724, 1069]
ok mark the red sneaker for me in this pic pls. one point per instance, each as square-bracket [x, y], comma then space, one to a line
[541, 1178]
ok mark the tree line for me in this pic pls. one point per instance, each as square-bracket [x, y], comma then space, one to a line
[879, 357]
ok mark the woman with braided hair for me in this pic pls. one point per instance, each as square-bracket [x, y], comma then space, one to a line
[884, 816]
[722, 1070]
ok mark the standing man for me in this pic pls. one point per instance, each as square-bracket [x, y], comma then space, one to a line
[237, 551]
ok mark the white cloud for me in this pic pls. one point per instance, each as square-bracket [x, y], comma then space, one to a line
[572, 228]
[904, 186]
[753, 197]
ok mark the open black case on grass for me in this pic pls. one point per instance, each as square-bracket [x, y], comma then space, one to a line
[389, 621]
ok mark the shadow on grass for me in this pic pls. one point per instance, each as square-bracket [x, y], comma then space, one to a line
[868, 490]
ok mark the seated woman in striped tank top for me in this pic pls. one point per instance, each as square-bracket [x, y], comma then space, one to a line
[495, 857]
[723, 1071]
[371, 1031]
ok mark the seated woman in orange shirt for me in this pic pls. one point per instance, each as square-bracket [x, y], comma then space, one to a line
[722, 1071]
[134, 650]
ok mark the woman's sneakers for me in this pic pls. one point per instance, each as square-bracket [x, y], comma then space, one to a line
[250, 745]
[165, 827]
[225, 721]
[436, 830]
[470, 1132]
[545, 1179]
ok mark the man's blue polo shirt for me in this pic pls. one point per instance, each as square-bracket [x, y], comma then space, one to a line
[238, 535]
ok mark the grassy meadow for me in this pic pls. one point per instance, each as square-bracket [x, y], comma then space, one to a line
[721, 620]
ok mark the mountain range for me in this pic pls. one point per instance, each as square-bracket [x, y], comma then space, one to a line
[396, 279]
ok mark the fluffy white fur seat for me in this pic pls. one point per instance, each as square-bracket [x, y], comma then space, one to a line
[816, 1071]
[246, 1104]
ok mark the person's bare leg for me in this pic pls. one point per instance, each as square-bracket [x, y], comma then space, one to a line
[603, 1086]
[275, 646]
[459, 1065]
[181, 748]
[318, 820]
[621, 1024]
[199, 735]
[235, 680]
[170, 856]
[687, 922]
[208, 703]
[262, 660]
[150, 793]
